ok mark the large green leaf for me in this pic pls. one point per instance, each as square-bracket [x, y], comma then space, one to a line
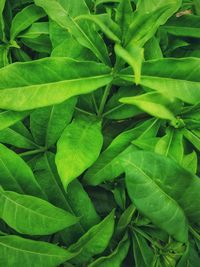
[124, 15]
[149, 15]
[116, 258]
[107, 166]
[47, 124]
[18, 251]
[72, 201]
[24, 19]
[82, 137]
[65, 14]
[9, 117]
[15, 174]
[159, 195]
[94, 241]
[29, 85]
[31, 215]
[172, 77]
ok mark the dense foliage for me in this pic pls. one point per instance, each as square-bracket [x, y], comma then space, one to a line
[99, 133]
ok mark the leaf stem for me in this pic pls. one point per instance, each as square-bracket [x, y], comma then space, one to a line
[84, 111]
[32, 152]
[104, 99]
[194, 233]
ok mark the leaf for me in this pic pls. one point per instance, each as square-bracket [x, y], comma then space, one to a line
[182, 82]
[124, 15]
[82, 137]
[190, 162]
[153, 103]
[47, 124]
[24, 19]
[65, 16]
[2, 34]
[171, 145]
[116, 258]
[159, 195]
[21, 91]
[94, 241]
[25, 252]
[148, 17]
[35, 30]
[143, 254]
[192, 137]
[4, 56]
[106, 24]
[9, 117]
[107, 166]
[32, 216]
[72, 201]
[133, 55]
[15, 174]
[186, 26]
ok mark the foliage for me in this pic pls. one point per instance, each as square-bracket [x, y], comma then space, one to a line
[99, 133]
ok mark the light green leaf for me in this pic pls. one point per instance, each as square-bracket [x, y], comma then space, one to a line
[18, 251]
[108, 166]
[159, 195]
[172, 77]
[47, 124]
[171, 145]
[116, 258]
[32, 216]
[9, 117]
[16, 175]
[21, 88]
[94, 241]
[82, 137]
[134, 56]
[149, 15]
[24, 19]
[65, 13]
[4, 56]
[153, 103]
[106, 24]
[193, 137]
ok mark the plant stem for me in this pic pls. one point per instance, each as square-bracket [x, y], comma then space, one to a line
[33, 152]
[104, 99]
[84, 111]
[194, 233]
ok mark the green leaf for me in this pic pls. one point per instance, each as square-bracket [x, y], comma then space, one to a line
[171, 145]
[15, 174]
[41, 89]
[35, 30]
[153, 103]
[24, 19]
[4, 56]
[9, 117]
[190, 162]
[134, 56]
[82, 137]
[148, 17]
[193, 137]
[143, 254]
[94, 241]
[108, 166]
[32, 216]
[116, 258]
[159, 195]
[18, 251]
[124, 15]
[47, 124]
[2, 34]
[186, 26]
[171, 77]
[65, 15]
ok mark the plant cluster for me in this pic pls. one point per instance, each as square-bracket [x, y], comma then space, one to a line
[99, 133]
